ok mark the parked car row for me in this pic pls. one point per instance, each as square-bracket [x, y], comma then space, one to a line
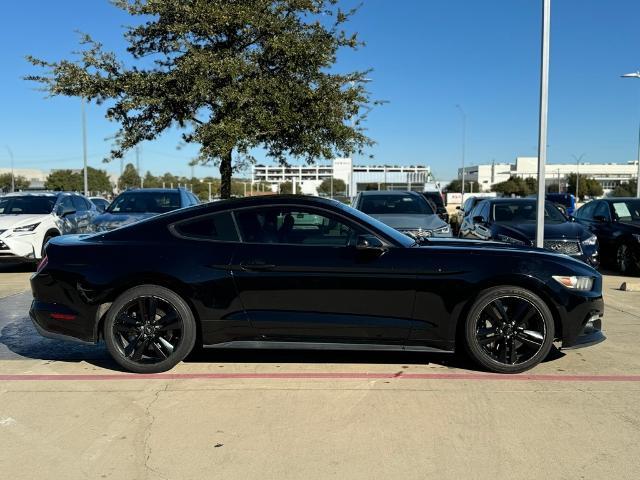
[29, 220]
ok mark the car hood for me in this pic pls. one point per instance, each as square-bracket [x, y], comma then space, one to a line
[558, 231]
[109, 221]
[7, 222]
[400, 221]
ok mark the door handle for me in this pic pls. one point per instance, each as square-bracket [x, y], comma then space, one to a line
[257, 266]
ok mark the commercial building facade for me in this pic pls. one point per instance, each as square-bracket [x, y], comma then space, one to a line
[307, 178]
[610, 175]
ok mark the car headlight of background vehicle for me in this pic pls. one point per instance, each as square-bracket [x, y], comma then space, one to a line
[442, 230]
[508, 239]
[575, 283]
[26, 228]
[591, 241]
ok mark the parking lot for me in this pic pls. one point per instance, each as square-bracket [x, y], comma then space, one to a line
[66, 411]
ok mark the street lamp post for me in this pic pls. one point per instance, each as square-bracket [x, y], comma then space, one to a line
[464, 143]
[84, 149]
[578, 159]
[636, 75]
[13, 177]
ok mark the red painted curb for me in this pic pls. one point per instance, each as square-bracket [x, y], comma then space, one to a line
[321, 375]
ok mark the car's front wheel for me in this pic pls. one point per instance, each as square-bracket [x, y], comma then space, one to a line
[149, 329]
[509, 330]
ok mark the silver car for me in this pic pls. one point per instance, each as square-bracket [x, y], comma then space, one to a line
[407, 212]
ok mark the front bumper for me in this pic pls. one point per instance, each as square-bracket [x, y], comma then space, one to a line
[582, 325]
[15, 249]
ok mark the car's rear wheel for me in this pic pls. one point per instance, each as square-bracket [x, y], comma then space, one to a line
[509, 330]
[149, 329]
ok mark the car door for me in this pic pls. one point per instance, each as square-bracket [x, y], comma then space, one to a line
[68, 222]
[601, 224]
[301, 278]
[82, 215]
[478, 226]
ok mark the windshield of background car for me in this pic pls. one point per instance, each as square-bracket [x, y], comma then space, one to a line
[27, 205]
[385, 229]
[524, 212]
[145, 202]
[395, 204]
[627, 210]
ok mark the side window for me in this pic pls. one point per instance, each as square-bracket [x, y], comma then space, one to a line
[586, 212]
[476, 211]
[485, 211]
[602, 209]
[219, 227]
[78, 203]
[293, 225]
[66, 203]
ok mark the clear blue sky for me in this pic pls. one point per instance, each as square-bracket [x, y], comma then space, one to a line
[427, 56]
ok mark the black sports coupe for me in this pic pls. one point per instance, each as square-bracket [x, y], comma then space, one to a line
[513, 220]
[303, 272]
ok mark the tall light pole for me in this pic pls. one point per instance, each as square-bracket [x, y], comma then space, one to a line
[578, 160]
[209, 190]
[13, 177]
[542, 131]
[636, 75]
[464, 143]
[84, 148]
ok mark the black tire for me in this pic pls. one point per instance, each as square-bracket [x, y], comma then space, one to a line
[149, 329]
[47, 237]
[509, 330]
[625, 263]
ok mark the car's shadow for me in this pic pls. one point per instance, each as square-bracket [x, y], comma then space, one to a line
[22, 340]
[25, 267]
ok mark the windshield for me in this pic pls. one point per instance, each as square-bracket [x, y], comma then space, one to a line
[524, 212]
[627, 210]
[387, 230]
[435, 197]
[27, 205]
[395, 204]
[145, 202]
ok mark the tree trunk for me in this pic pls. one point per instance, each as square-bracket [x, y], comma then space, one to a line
[225, 175]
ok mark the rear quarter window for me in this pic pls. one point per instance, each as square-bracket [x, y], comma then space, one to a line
[217, 227]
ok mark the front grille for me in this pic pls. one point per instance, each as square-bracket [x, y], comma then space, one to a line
[3, 246]
[568, 247]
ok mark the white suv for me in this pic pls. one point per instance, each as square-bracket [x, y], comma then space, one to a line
[29, 220]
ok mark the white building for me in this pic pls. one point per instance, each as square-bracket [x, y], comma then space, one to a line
[36, 177]
[609, 175]
[307, 178]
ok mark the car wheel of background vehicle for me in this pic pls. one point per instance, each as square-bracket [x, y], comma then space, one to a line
[509, 330]
[625, 262]
[149, 329]
[47, 237]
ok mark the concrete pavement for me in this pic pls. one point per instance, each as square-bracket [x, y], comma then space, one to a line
[319, 415]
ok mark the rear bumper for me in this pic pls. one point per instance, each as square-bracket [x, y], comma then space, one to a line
[60, 322]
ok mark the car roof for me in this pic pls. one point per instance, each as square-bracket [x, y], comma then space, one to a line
[616, 199]
[388, 192]
[33, 194]
[153, 190]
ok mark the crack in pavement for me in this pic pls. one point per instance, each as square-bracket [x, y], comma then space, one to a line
[146, 447]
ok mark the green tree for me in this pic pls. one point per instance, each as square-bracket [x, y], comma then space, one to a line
[339, 187]
[151, 181]
[129, 178]
[456, 186]
[98, 181]
[20, 183]
[514, 186]
[233, 75]
[64, 180]
[593, 188]
[286, 188]
[625, 189]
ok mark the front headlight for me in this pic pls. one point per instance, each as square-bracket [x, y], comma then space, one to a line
[575, 283]
[26, 228]
[591, 241]
[507, 239]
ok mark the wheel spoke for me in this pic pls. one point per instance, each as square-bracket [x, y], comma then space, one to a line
[502, 351]
[513, 356]
[142, 310]
[488, 335]
[128, 320]
[130, 348]
[170, 321]
[156, 346]
[165, 343]
[501, 310]
[122, 328]
[524, 313]
[531, 338]
[153, 305]
[139, 350]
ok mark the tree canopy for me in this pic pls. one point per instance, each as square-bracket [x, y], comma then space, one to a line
[516, 186]
[626, 189]
[587, 186]
[456, 186]
[129, 178]
[233, 75]
[73, 180]
[339, 187]
[20, 183]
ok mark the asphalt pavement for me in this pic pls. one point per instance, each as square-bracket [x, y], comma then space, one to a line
[66, 411]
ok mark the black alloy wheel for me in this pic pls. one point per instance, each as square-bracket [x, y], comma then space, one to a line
[509, 330]
[149, 329]
[625, 261]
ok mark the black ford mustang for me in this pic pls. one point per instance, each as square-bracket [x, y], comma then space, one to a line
[302, 272]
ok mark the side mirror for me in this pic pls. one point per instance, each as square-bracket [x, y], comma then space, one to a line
[478, 219]
[599, 218]
[63, 212]
[370, 243]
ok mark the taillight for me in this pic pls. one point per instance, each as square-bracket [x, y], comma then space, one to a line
[42, 264]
